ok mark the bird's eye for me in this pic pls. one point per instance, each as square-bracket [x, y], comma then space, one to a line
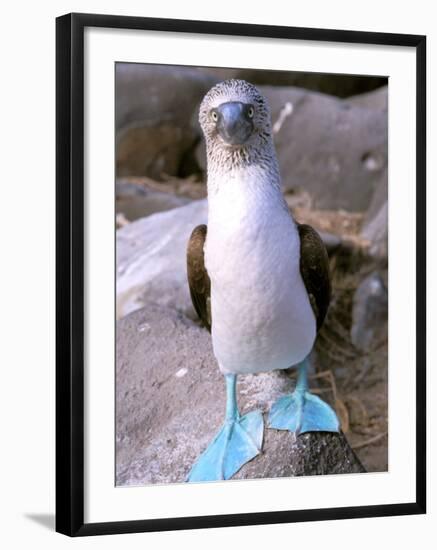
[250, 112]
[214, 116]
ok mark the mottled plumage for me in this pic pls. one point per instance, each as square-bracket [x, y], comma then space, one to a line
[259, 149]
[314, 268]
[198, 278]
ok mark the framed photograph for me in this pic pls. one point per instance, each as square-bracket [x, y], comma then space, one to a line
[240, 274]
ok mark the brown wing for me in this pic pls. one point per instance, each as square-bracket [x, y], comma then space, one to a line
[314, 268]
[198, 278]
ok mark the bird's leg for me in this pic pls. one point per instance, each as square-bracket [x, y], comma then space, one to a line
[302, 377]
[232, 412]
[303, 411]
[239, 440]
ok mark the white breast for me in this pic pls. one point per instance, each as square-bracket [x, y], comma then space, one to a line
[261, 316]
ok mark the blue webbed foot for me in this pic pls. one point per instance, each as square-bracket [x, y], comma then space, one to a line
[303, 412]
[239, 441]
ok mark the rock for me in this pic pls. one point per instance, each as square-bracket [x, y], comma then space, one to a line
[120, 220]
[170, 401]
[156, 118]
[334, 150]
[380, 196]
[370, 313]
[136, 201]
[151, 259]
[340, 85]
[375, 227]
[377, 99]
[375, 231]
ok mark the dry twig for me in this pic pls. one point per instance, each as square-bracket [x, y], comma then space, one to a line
[370, 441]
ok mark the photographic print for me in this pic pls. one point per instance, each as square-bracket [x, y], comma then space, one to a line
[251, 274]
[237, 342]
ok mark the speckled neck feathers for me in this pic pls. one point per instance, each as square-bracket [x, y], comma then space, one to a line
[258, 152]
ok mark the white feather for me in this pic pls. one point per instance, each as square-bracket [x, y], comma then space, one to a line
[261, 315]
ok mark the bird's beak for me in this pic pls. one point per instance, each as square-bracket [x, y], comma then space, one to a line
[234, 124]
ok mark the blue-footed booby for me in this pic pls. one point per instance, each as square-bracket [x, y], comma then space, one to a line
[258, 280]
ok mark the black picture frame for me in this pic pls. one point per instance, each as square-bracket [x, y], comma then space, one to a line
[70, 273]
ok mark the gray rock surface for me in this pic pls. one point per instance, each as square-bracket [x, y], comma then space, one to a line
[170, 401]
[380, 196]
[151, 259]
[156, 118]
[135, 201]
[376, 99]
[340, 85]
[375, 231]
[331, 148]
[370, 313]
[334, 151]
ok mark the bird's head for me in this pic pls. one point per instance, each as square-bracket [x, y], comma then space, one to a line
[235, 119]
